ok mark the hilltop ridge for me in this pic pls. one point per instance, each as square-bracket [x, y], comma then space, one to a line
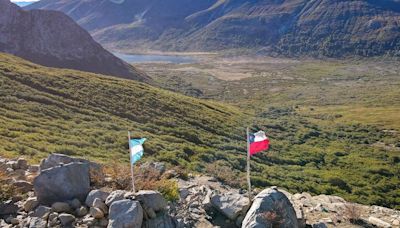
[51, 38]
[285, 27]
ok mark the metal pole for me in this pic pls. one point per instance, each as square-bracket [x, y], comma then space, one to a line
[130, 156]
[248, 165]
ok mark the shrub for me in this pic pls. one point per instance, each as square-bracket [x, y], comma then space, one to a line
[146, 179]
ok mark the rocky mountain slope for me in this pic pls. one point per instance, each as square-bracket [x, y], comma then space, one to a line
[77, 201]
[288, 27]
[52, 39]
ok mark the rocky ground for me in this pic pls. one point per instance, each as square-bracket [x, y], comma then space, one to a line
[60, 193]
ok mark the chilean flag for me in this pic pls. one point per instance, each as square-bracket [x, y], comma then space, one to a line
[258, 142]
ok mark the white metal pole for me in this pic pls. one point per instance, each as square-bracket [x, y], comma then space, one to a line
[248, 165]
[130, 156]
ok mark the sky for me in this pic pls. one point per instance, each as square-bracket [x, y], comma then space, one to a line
[24, 0]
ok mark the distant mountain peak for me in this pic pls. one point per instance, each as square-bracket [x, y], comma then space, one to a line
[284, 27]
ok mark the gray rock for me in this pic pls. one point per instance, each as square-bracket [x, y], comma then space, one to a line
[8, 207]
[125, 213]
[62, 183]
[60, 207]
[30, 204]
[103, 222]
[151, 199]
[271, 208]
[75, 204]
[33, 168]
[96, 213]
[378, 222]
[37, 222]
[54, 160]
[159, 166]
[41, 212]
[95, 194]
[23, 186]
[115, 196]
[162, 220]
[80, 212]
[101, 205]
[319, 225]
[22, 164]
[230, 204]
[66, 219]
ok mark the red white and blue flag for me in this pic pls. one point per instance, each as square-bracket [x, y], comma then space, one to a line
[258, 142]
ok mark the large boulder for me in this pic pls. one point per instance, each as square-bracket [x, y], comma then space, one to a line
[62, 183]
[54, 160]
[151, 200]
[125, 213]
[271, 208]
[230, 204]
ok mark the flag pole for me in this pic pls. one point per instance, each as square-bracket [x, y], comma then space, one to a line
[130, 156]
[248, 165]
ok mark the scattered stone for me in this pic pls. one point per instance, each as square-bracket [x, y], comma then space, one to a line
[41, 212]
[30, 204]
[60, 207]
[152, 199]
[183, 193]
[159, 166]
[378, 222]
[75, 204]
[95, 194]
[66, 219]
[103, 222]
[267, 209]
[319, 225]
[62, 183]
[125, 213]
[115, 196]
[8, 207]
[22, 164]
[162, 220]
[396, 222]
[53, 215]
[98, 203]
[82, 211]
[23, 186]
[12, 221]
[37, 222]
[96, 213]
[230, 204]
[33, 168]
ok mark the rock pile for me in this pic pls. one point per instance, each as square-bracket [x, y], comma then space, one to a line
[59, 194]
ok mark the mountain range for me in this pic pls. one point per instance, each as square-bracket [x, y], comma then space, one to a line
[284, 27]
[53, 39]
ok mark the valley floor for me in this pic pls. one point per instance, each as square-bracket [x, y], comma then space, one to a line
[334, 124]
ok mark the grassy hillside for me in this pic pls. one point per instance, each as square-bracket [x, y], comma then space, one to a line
[44, 110]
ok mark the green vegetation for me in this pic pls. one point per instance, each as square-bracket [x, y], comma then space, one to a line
[45, 110]
[334, 125]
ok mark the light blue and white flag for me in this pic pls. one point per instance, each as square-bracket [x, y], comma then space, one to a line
[136, 149]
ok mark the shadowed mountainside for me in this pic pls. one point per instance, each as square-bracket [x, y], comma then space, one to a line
[51, 38]
[284, 27]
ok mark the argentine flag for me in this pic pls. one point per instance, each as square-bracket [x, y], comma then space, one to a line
[136, 149]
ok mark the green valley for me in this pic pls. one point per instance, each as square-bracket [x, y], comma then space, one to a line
[318, 146]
